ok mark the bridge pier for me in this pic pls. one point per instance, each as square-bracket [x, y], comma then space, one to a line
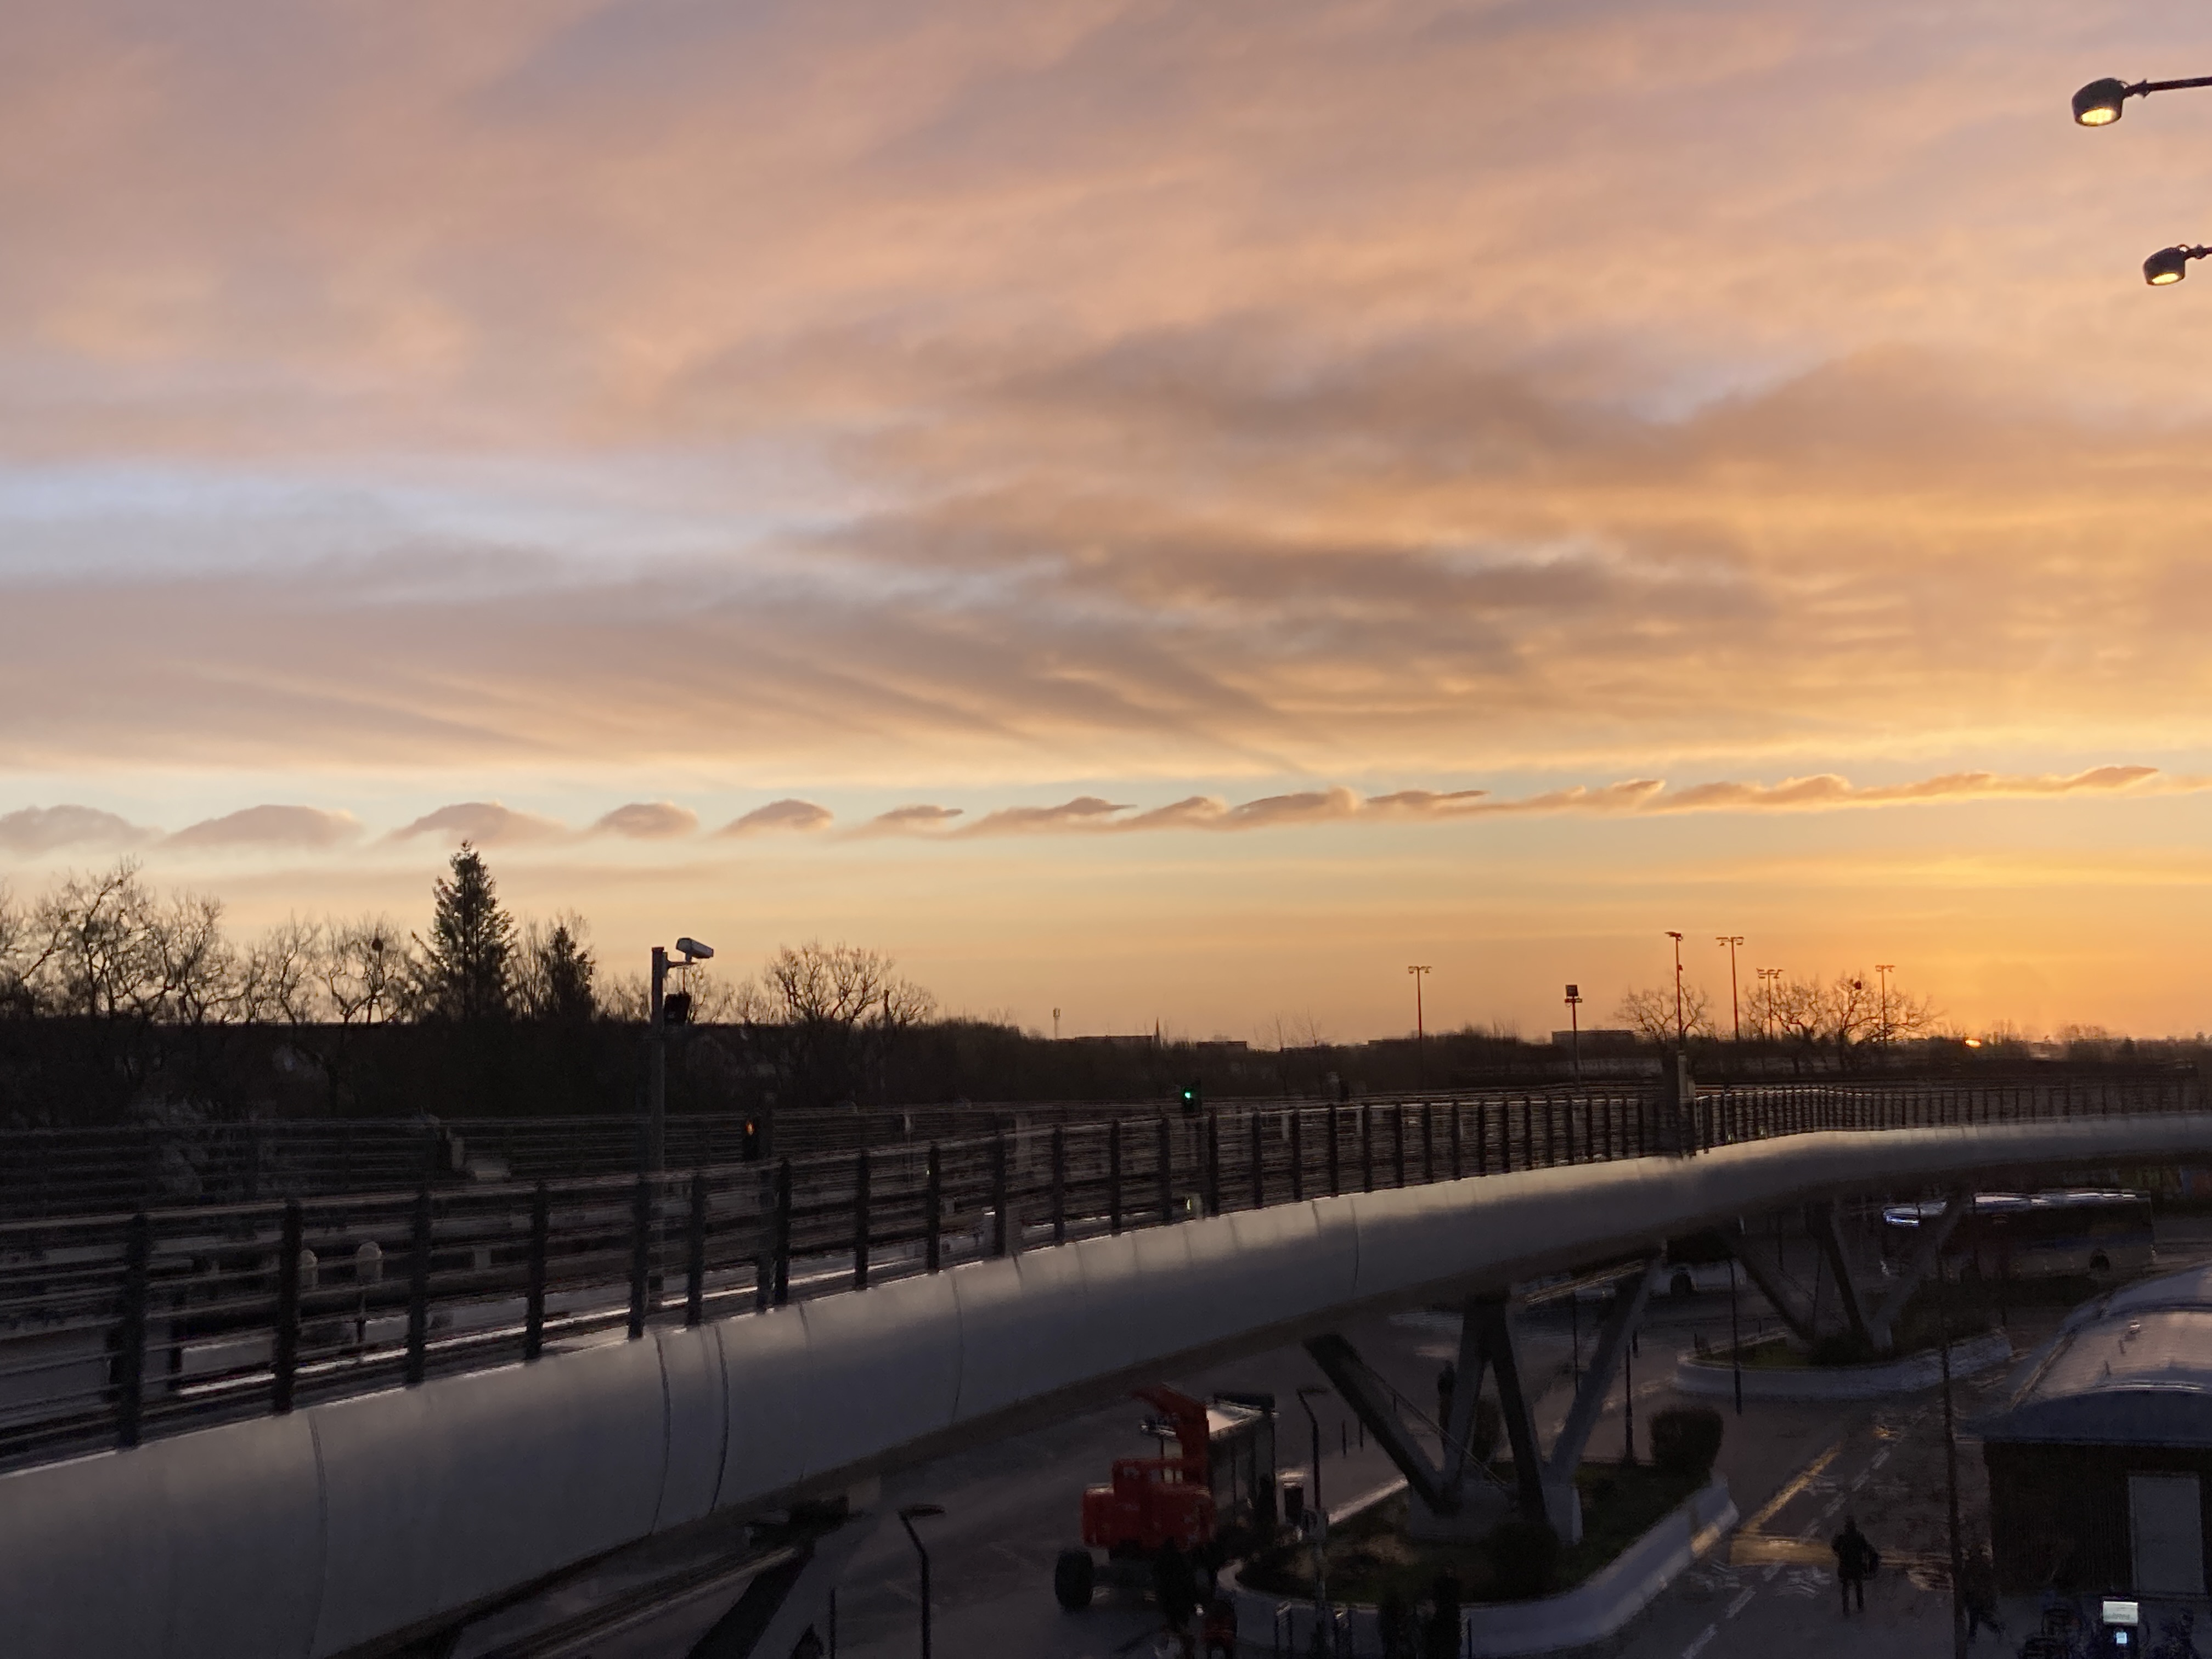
[1544, 1488]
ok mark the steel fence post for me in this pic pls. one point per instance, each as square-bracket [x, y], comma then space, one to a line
[1114, 1176]
[1002, 1232]
[418, 1290]
[694, 1265]
[640, 1251]
[860, 1173]
[782, 1232]
[932, 1211]
[541, 1231]
[130, 1329]
[285, 1366]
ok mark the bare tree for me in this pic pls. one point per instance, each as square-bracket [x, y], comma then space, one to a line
[364, 970]
[824, 1013]
[1650, 1013]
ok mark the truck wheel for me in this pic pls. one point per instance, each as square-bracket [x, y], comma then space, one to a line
[1071, 1578]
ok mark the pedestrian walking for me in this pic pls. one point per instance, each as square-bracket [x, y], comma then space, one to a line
[1857, 1561]
[1978, 1589]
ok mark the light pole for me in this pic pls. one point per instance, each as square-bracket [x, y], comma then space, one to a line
[1574, 1029]
[664, 1011]
[2098, 104]
[1056, 1025]
[1772, 978]
[1736, 1010]
[1307, 1395]
[907, 1516]
[1681, 1032]
[1885, 968]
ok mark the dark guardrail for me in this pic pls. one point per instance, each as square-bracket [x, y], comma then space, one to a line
[117, 1327]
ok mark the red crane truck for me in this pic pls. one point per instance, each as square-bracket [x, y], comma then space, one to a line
[1223, 1472]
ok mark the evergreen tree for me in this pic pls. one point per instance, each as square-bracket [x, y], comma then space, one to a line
[469, 973]
[560, 975]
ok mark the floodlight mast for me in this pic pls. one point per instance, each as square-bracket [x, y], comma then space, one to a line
[2098, 104]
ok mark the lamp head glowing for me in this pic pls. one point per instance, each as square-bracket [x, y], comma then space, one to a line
[2169, 264]
[2098, 104]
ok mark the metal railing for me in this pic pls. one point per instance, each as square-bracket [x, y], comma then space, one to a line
[48, 1173]
[118, 1327]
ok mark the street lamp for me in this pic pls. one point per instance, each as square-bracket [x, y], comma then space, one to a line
[1681, 1032]
[907, 1516]
[2098, 104]
[1574, 1029]
[1735, 1009]
[1772, 976]
[664, 1011]
[2169, 265]
[1885, 968]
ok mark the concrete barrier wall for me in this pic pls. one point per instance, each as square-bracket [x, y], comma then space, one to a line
[297, 1538]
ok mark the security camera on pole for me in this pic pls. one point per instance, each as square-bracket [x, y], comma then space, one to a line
[666, 1010]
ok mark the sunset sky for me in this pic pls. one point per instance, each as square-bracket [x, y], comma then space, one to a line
[1166, 512]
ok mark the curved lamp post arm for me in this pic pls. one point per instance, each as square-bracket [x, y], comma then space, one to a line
[2098, 104]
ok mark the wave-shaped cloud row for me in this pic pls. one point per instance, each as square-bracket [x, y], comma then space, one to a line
[33, 831]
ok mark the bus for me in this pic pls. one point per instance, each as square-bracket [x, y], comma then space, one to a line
[2092, 1231]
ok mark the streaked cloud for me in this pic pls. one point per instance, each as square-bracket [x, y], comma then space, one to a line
[302, 827]
[483, 823]
[789, 814]
[32, 829]
[649, 820]
[1084, 813]
[909, 821]
[1824, 792]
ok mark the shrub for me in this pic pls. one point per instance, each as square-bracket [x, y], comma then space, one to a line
[1524, 1559]
[1686, 1439]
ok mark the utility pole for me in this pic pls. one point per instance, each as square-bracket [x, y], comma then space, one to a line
[1056, 1025]
[1885, 968]
[1736, 1010]
[1575, 1030]
[1681, 1031]
[1420, 1025]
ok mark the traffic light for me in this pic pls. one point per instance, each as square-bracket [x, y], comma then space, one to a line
[1193, 1099]
[676, 1008]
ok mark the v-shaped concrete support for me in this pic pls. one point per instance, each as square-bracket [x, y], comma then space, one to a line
[1830, 1238]
[1934, 1236]
[1631, 1293]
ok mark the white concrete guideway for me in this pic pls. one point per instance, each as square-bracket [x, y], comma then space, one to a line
[302, 1536]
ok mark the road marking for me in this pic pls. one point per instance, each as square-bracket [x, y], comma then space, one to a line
[1804, 1478]
[1697, 1646]
[1772, 1570]
[1880, 1458]
[1740, 1602]
[1860, 1479]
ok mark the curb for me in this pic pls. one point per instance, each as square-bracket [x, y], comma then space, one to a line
[1912, 1375]
[1588, 1614]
